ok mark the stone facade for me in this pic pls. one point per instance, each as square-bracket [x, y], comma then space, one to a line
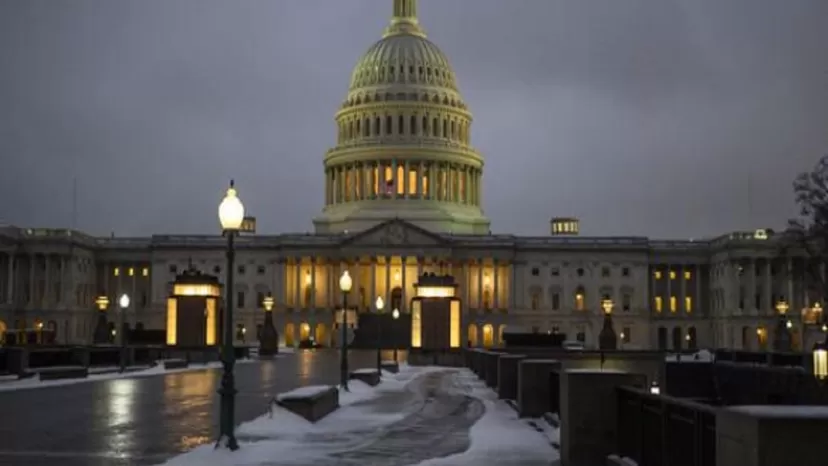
[403, 197]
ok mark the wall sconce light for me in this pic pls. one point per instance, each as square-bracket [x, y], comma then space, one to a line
[655, 389]
[396, 276]
[308, 278]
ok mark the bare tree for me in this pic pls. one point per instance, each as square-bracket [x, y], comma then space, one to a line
[808, 233]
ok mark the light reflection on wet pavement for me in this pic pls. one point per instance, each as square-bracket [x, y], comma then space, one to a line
[145, 420]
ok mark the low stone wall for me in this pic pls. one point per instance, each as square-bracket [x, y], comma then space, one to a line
[175, 364]
[533, 386]
[312, 403]
[507, 376]
[61, 373]
[368, 376]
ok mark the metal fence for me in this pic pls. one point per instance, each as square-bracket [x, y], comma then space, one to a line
[658, 430]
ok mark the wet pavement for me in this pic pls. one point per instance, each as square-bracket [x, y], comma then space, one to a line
[146, 420]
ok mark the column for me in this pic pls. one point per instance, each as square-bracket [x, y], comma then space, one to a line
[10, 279]
[404, 287]
[32, 265]
[394, 177]
[278, 283]
[495, 286]
[479, 284]
[466, 285]
[751, 288]
[789, 276]
[513, 285]
[701, 304]
[373, 271]
[769, 298]
[47, 282]
[456, 183]
[420, 193]
[62, 302]
[297, 292]
[467, 185]
[313, 283]
[356, 273]
[669, 280]
[683, 287]
[327, 186]
[406, 179]
[388, 280]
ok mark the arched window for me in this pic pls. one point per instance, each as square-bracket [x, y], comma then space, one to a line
[412, 126]
[424, 128]
[366, 129]
[377, 126]
[580, 298]
[434, 127]
[445, 128]
[453, 130]
[677, 339]
[358, 130]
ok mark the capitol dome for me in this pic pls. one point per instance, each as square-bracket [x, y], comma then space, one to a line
[403, 140]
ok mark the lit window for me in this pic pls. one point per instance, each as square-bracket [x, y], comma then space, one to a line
[116, 271]
[673, 304]
[579, 301]
[688, 304]
[688, 275]
[131, 271]
[657, 274]
[145, 272]
[672, 275]
[658, 303]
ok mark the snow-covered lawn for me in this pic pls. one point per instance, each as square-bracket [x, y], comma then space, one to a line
[104, 373]
[499, 436]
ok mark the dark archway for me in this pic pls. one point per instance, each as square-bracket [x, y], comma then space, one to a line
[691, 338]
[662, 338]
[677, 338]
[396, 299]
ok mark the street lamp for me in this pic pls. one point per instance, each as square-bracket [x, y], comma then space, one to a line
[607, 339]
[268, 337]
[379, 305]
[101, 335]
[820, 360]
[783, 326]
[123, 302]
[345, 284]
[395, 315]
[231, 217]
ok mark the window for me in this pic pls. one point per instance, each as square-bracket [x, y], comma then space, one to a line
[579, 299]
[173, 268]
[535, 272]
[657, 274]
[556, 272]
[758, 301]
[131, 271]
[673, 304]
[672, 275]
[605, 272]
[388, 121]
[688, 304]
[240, 331]
[116, 272]
[626, 335]
[259, 299]
[260, 270]
[145, 272]
[240, 299]
[535, 300]
[217, 270]
[626, 302]
[241, 270]
[625, 272]
[556, 301]
[688, 275]
[580, 272]
[658, 303]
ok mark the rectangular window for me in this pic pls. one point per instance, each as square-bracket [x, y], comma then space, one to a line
[657, 274]
[688, 275]
[131, 272]
[556, 301]
[260, 299]
[688, 304]
[412, 181]
[672, 275]
[673, 304]
[240, 299]
[145, 272]
[626, 335]
[626, 302]
[116, 271]
[579, 302]
[658, 304]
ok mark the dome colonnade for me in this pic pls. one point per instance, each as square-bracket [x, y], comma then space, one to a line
[403, 140]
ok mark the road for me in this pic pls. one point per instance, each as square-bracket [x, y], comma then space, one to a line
[145, 420]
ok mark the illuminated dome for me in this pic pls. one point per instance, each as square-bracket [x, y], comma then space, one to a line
[403, 140]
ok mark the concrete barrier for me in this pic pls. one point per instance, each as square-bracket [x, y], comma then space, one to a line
[61, 373]
[369, 376]
[533, 391]
[491, 361]
[175, 364]
[507, 376]
[312, 402]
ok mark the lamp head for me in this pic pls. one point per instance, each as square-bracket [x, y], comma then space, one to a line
[103, 302]
[379, 303]
[231, 210]
[396, 314]
[782, 307]
[123, 301]
[268, 302]
[607, 305]
[345, 282]
[820, 360]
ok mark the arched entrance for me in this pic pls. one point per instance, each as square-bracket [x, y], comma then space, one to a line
[289, 335]
[691, 338]
[472, 335]
[304, 332]
[500, 331]
[488, 336]
[322, 334]
[396, 299]
[3, 329]
[677, 338]
[662, 338]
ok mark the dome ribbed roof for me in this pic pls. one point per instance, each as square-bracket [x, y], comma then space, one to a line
[403, 58]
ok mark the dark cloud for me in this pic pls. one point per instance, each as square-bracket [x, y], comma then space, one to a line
[660, 117]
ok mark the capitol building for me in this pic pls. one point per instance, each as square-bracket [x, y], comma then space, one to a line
[403, 197]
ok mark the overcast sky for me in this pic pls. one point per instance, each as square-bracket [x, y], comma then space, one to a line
[663, 118]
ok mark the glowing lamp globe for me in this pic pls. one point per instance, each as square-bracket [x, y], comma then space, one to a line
[345, 282]
[396, 314]
[123, 301]
[231, 210]
[380, 303]
[102, 302]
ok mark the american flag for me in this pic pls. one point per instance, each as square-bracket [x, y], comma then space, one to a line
[389, 187]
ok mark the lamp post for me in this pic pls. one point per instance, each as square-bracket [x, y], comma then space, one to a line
[123, 302]
[101, 335]
[820, 360]
[395, 315]
[607, 339]
[379, 305]
[269, 337]
[345, 284]
[782, 338]
[231, 217]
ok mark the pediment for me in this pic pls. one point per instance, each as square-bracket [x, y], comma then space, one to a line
[395, 233]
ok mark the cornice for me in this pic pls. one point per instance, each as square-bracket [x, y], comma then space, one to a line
[372, 153]
[402, 105]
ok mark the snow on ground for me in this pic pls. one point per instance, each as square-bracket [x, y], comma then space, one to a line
[96, 375]
[500, 438]
[700, 356]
